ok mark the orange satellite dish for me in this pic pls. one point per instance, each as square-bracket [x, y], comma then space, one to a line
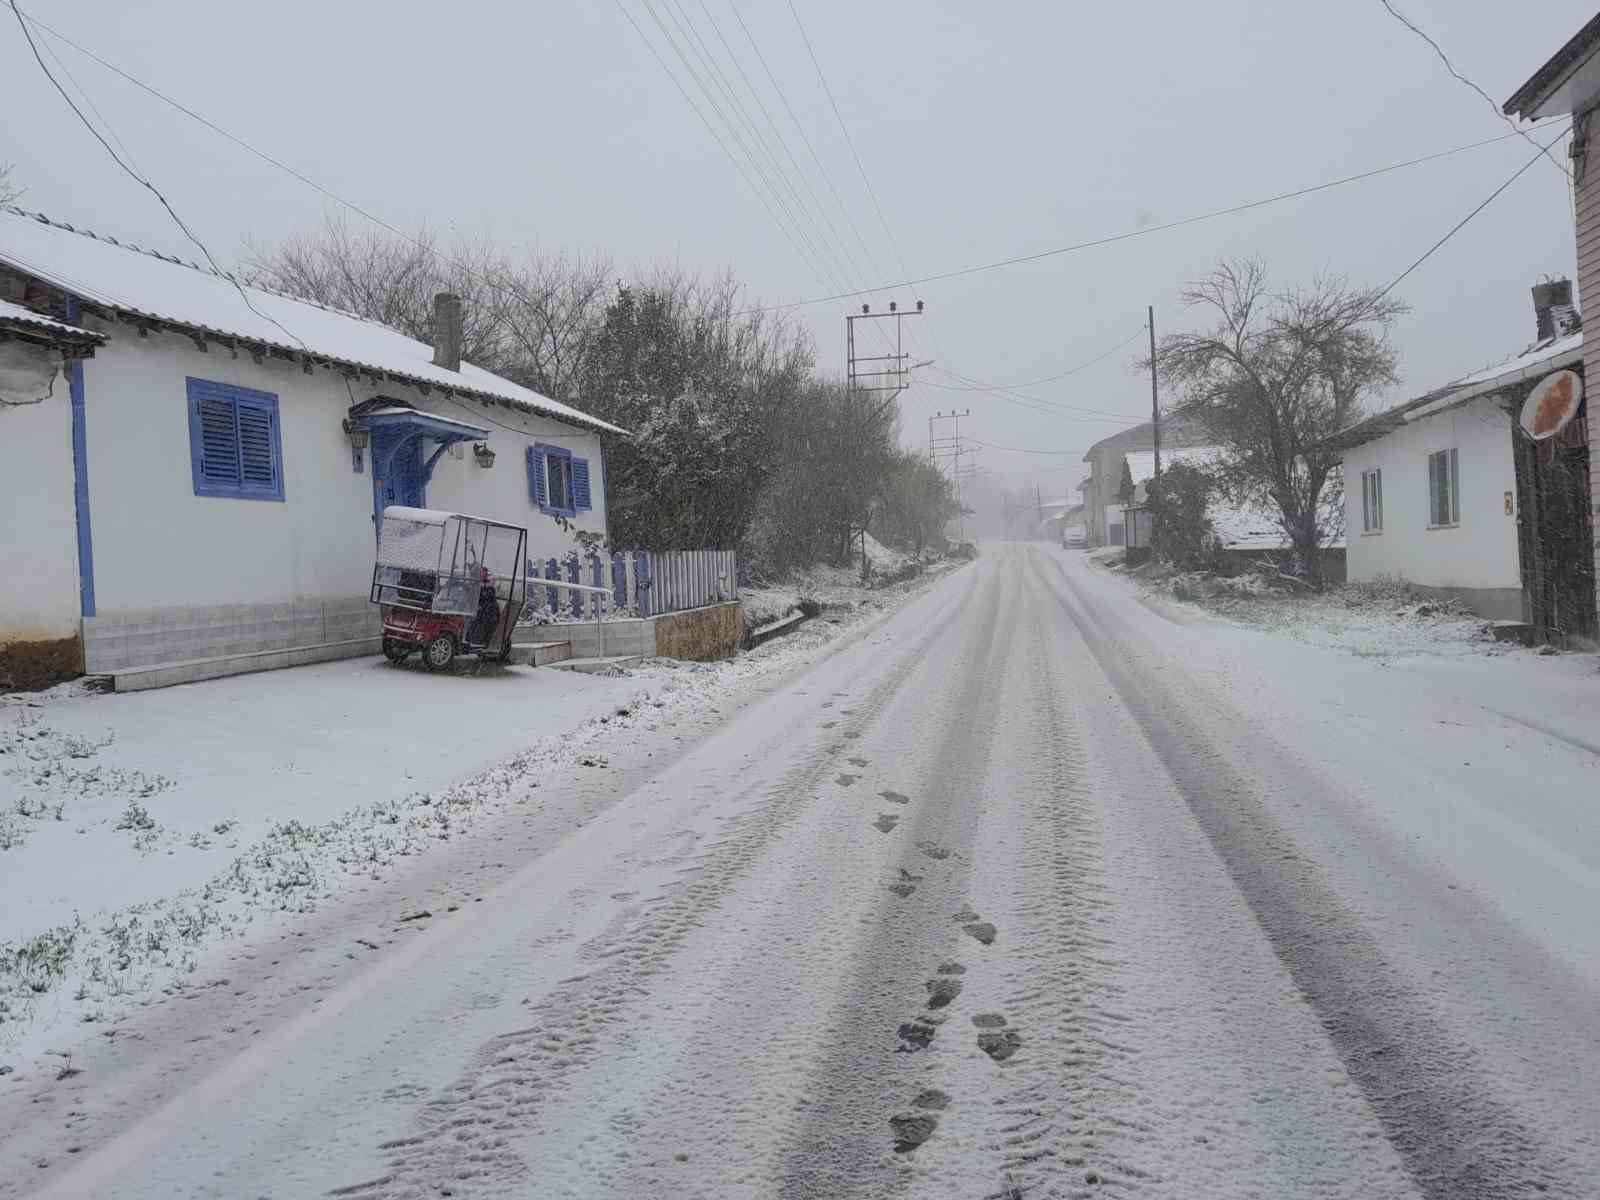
[1552, 404]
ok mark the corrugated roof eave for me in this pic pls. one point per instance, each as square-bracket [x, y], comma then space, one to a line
[422, 383]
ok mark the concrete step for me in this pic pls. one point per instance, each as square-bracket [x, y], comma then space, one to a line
[600, 666]
[540, 654]
[138, 679]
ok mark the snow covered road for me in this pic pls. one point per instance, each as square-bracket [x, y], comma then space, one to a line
[1027, 890]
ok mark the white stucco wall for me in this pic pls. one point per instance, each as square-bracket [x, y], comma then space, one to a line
[158, 545]
[39, 579]
[1478, 553]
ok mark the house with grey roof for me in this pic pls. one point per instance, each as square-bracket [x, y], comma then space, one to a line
[192, 468]
[1442, 491]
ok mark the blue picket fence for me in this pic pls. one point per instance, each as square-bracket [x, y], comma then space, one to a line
[640, 582]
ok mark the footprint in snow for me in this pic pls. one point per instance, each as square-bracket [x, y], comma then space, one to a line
[856, 762]
[902, 889]
[895, 797]
[911, 1130]
[982, 930]
[932, 1098]
[934, 851]
[886, 822]
[994, 1039]
[916, 1035]
[844, 780]
[952, 968]
[942, 990]
[829, 724]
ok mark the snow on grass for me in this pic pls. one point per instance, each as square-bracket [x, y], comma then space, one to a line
[1382, 619]
[148, 829]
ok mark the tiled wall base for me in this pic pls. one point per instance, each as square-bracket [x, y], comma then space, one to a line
[117, 641]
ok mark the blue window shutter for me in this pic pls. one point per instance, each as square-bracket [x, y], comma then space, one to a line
[257, 468]
[537, 488]
[580, 483]
[219, 442]
[235, 446]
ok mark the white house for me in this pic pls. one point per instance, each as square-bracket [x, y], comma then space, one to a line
[206, 485]
[1431, 485]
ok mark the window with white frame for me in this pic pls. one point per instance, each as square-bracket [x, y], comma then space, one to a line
[1372, 501]
[1444, 488]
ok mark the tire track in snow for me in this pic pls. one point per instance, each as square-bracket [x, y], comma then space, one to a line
[1066, 1114]
[1458, 1142]
[465, 1135]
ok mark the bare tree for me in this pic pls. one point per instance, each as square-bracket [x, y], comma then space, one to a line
[10, 193]
[1273, 379]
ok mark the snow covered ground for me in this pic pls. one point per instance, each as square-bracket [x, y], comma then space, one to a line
[1026, 888]
[140, 833]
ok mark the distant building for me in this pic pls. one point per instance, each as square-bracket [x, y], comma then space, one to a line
[1102, 491]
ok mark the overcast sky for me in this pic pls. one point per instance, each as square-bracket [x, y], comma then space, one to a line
[987, 131]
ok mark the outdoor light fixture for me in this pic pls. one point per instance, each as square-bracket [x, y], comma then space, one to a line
[484, 455]
[359, 435]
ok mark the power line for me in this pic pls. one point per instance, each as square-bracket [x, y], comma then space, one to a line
[978, 386]
[1007, 393]
[798, 238]
[1148, 229]
[1028, 450]
[1459, 225]
[866, 181]
[840, 253]
[1489, 100]
[140, 179]
[845, 129]
[827, 178]
[818, 260]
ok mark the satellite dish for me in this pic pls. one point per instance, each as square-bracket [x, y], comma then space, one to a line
[1552, 404]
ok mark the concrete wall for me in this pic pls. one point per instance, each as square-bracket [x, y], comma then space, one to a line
[1475, 559]
[697, 635]
[39, 604]
[182, 576]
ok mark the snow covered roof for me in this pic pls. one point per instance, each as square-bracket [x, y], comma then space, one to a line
[1142, 463]
[14, 316]
[1563, 83]
[1536, 361]
[143, 283]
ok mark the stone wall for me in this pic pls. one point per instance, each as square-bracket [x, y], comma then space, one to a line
[701, 634]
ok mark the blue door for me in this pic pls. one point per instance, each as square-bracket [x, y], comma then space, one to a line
[397, 470]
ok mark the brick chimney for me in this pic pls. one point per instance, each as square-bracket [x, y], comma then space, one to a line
[1553, 310]
[447, 330]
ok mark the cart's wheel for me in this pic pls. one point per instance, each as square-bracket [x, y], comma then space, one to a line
[394, 651]
[439, 652]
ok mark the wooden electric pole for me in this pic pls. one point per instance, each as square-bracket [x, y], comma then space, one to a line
[1155, 423]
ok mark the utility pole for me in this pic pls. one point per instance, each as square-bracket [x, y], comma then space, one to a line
[950, 449]
[1155, 420]
[894, 378]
